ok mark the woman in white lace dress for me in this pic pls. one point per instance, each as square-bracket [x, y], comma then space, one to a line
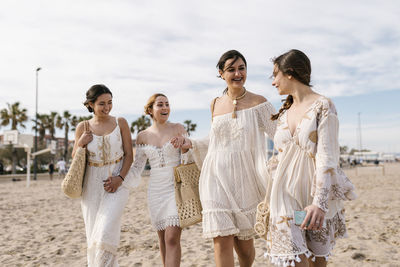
[233, 173]
[308, 176]
[154, 144]
[109, 155]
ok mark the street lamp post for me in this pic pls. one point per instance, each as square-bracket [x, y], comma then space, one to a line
[36, 118]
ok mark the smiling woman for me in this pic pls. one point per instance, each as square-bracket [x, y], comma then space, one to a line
[232, 161]
[109, 156]
[308, 177]
[154, 144]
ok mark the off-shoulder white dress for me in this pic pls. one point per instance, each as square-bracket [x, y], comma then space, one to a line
[233, 173]
[308, 173]
[161, 189]
[102, 211]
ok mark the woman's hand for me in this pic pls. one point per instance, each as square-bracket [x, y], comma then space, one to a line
[181, 142]
[315, 216]
[85, 138]
[112, 183]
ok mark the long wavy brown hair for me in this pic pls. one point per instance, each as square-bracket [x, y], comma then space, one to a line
[296, 64]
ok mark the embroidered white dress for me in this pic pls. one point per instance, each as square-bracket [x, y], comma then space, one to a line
[308, 173]
[161, 188]
[101, 210]
[233, 174]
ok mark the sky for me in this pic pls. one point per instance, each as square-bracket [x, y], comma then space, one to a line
[137, 48]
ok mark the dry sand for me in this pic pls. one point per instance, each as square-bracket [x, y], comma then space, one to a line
[41, 227]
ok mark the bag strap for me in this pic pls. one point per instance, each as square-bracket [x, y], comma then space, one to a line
[86, 128]
[269, 184]
[212, 108]
[86, 125]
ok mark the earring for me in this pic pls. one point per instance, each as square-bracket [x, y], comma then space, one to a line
[290, 77]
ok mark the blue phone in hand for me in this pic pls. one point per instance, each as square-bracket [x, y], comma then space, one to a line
[299, 216]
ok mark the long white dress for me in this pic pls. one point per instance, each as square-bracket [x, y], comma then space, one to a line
[307, 173]
[101, 210]
[161, 188]
[233, 173]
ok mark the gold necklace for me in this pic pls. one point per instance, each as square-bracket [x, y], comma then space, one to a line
[234, 102]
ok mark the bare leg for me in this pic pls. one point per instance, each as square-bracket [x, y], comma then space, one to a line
[304, 261]
[161, 238]
[223, 251]
[245, 251]
[173, 246]
[319, 262]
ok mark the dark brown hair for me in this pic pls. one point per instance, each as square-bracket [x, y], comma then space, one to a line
[93, 93]
[296, 64]
[231, 54]
[149, 105]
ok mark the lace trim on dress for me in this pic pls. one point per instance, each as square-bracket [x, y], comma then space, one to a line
[292, 259]
[102, 255]
[241, 235]
[336, 224]
[103, 246]
[168, 222]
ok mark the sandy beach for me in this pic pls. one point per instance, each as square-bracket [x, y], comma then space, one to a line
[42, 227]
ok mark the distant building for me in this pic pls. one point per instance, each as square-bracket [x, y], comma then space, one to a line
[372, 156]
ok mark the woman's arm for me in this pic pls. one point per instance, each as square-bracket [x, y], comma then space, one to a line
[82, 138]
[264, 114]
[126, 146]
[327, 160]
[112, 183]
[134, 175]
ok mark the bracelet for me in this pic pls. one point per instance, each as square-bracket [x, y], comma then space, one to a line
[119, 175]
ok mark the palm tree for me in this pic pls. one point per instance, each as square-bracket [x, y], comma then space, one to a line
[16, 116]
[13, 114]
[142, 123]
[189, 126]
[76, 120]
[51, 123]
[65, 122]
[42, 122]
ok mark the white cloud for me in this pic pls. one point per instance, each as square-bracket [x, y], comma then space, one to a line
[141, 47]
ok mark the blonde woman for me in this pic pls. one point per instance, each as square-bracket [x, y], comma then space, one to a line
[154, 144]
[109, 149]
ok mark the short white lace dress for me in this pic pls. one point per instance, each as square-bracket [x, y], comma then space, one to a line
[307, 173]
[233, 173]
[101, 210]
[161, 188]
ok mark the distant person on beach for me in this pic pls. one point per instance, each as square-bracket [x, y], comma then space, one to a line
[308, 177]
[1, 168]
[154, 144]
[51, 170]
[61, 167]
[109, 149]
[232, 161]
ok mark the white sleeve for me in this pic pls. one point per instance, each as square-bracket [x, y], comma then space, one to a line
[327, 156]
[134, 175]
[199, 150]
[264, 121]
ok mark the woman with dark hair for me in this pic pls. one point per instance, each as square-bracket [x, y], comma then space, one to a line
[308, 176]
[109, 156]
[154, 144]
[233, 172]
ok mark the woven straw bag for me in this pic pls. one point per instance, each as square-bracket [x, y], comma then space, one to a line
[187, 194]
[73, 181]
[263, 212]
